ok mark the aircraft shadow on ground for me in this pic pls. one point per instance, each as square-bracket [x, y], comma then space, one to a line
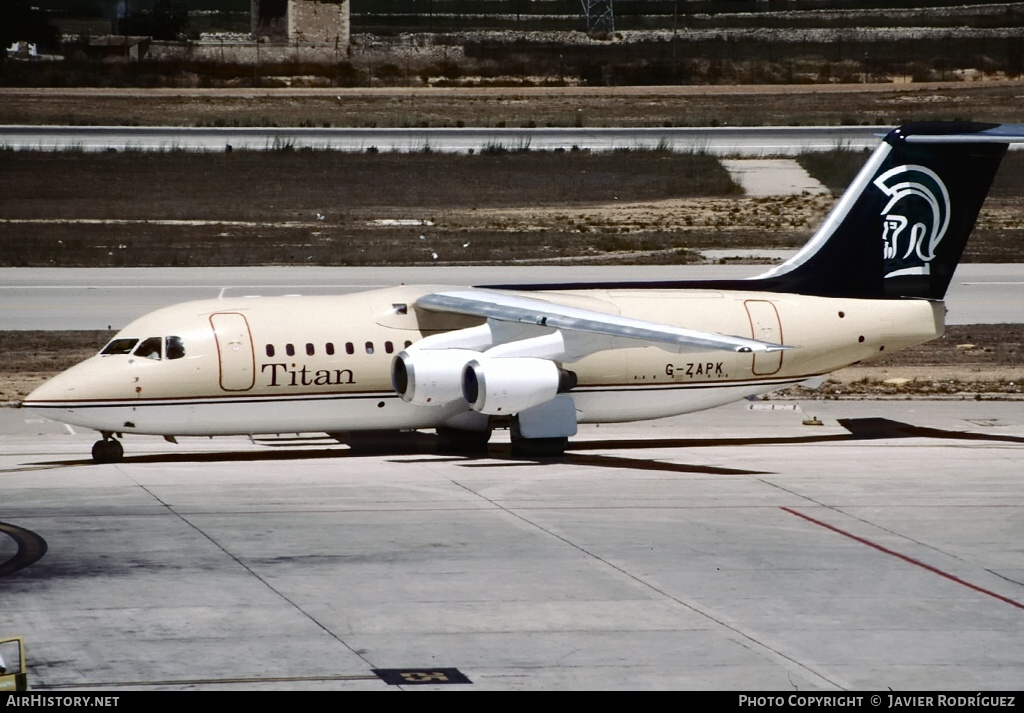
[421, 444]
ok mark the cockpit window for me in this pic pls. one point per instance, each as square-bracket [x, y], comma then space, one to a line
[175, 348]
[150, 348]
[120, 346]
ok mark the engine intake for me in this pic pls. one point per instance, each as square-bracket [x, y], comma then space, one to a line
[508, 385]
[430, 377]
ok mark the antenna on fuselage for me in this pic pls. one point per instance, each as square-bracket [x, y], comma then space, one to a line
[220, 295]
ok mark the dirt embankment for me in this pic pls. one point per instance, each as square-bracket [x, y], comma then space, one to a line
[629, 106]
[334, 208]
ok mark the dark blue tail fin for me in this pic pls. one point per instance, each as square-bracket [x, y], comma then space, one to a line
[901, 227]
[898, 231]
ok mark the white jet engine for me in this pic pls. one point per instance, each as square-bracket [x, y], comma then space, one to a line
[430, 377]
[508, 385]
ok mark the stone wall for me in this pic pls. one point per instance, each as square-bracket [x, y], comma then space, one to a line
[310, 22]
[247, 52]
[318, 22]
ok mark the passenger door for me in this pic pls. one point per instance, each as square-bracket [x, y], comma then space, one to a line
[766, 327]
[234, 348]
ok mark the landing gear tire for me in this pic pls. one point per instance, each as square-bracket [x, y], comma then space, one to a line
[107, 451]
[538, 447]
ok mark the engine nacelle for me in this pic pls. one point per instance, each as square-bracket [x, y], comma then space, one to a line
[507, 386]
[430, 377]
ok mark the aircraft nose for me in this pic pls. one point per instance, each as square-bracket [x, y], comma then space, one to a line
[55, 389]
[62, 387]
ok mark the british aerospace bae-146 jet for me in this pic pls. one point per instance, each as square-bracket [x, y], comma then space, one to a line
[540, 359]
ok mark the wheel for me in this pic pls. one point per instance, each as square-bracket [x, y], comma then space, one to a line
[107, 451]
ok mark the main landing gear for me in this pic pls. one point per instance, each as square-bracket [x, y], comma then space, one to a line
[543, 431]
[467, 442]
[109, 450]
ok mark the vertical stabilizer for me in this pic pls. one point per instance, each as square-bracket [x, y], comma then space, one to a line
[901, 227]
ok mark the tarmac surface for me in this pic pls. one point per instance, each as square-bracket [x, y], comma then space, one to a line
[739, 548]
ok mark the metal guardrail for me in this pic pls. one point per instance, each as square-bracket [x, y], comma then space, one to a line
[739, 141]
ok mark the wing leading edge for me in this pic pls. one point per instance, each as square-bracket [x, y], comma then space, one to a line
[582, 331]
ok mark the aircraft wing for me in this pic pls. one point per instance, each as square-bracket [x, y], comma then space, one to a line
[579, 331]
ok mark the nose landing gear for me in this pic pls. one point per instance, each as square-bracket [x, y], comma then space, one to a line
[109, 450]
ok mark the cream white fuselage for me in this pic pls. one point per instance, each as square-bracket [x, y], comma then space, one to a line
[323, 364]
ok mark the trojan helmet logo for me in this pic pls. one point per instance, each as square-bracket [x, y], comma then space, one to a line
[916, 219]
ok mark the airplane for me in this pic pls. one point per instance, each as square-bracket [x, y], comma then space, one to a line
[542, 359]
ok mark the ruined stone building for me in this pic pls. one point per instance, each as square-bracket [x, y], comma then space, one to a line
[313, 23]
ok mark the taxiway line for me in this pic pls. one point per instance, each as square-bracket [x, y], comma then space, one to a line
[906, 558]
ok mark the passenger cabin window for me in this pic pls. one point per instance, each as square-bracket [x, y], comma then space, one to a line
[389, 347]
[329, 348]
[289, 349]
[150, 348]
[309, 349]
[350, 348]
[369, 347]
[270, 350]
[174, 348]
[120, 346]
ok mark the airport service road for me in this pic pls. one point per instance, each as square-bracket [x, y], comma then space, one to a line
[733, 549]
[93, 298]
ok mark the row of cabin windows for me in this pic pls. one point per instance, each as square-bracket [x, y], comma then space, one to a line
[350, 348]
